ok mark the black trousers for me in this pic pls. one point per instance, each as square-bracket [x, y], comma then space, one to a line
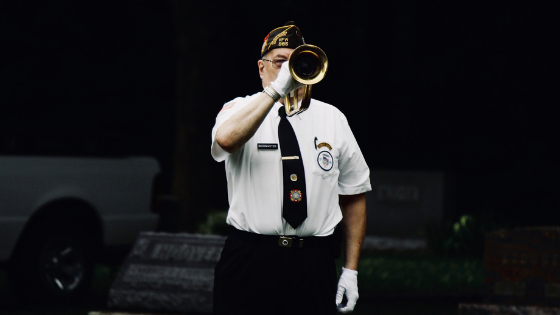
[261, 278]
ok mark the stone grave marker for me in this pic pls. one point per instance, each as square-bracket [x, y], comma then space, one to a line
[522, 266]
[521, 271]
[402, 203]
[168, 273]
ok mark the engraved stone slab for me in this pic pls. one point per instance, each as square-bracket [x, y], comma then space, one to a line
[490, 309]
[402, 203]
[522, 266]
[168, 272]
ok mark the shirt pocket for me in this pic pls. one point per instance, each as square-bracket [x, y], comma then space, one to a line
[326, 163]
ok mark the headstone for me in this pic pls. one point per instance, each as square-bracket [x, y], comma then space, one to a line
[521, 273]
[402, 203]
[168, 273]
[522, 266]
[489, 309]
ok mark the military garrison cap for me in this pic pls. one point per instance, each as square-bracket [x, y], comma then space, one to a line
[286, 36]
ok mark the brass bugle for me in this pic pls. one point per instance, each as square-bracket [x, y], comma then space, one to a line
[308, 65]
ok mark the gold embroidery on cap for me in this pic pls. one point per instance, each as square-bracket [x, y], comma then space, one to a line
[283, 33]
[276, 38]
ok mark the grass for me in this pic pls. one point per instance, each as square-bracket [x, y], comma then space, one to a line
[381, 273]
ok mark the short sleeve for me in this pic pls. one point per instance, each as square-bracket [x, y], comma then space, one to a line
[229, 108]
[354, 172]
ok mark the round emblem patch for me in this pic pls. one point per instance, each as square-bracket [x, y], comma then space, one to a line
[295, 195]
[325, 160]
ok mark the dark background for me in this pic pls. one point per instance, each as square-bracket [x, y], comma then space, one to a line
[460, 87]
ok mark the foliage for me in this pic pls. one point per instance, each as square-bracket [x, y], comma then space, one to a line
[215, 224]
[463, 238]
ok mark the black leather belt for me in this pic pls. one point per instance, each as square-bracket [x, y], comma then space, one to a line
[288, 241]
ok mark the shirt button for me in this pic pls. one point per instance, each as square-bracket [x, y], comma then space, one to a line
[293, 177]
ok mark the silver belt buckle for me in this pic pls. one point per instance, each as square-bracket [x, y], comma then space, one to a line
[284, 241]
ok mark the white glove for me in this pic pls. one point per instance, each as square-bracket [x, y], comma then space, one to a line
[284, 82]
[347, 285]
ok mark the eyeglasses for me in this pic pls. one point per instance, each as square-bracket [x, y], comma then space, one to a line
[277, 63]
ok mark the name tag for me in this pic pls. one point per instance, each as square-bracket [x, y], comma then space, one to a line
[267, 146]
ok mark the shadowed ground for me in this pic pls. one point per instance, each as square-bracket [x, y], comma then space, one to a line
[390, 283]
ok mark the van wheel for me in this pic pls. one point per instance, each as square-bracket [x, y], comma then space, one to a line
[53, 264]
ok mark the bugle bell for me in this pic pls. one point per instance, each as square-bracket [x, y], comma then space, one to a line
[308, 65]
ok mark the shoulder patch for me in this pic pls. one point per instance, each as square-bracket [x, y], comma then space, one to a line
[227, 106]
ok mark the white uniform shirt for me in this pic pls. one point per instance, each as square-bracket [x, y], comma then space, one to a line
[254, 176]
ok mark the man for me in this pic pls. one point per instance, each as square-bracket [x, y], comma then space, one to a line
[291, 181]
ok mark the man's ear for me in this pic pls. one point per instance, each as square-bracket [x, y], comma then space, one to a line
[261, 68]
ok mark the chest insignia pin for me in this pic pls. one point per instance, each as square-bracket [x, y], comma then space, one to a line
[295, 195]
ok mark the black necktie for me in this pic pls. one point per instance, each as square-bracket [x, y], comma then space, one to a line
[294, 194]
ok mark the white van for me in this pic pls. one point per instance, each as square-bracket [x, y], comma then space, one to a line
[58, 214]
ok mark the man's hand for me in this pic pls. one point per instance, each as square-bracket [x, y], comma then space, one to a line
[284, 82]
[347, 285]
